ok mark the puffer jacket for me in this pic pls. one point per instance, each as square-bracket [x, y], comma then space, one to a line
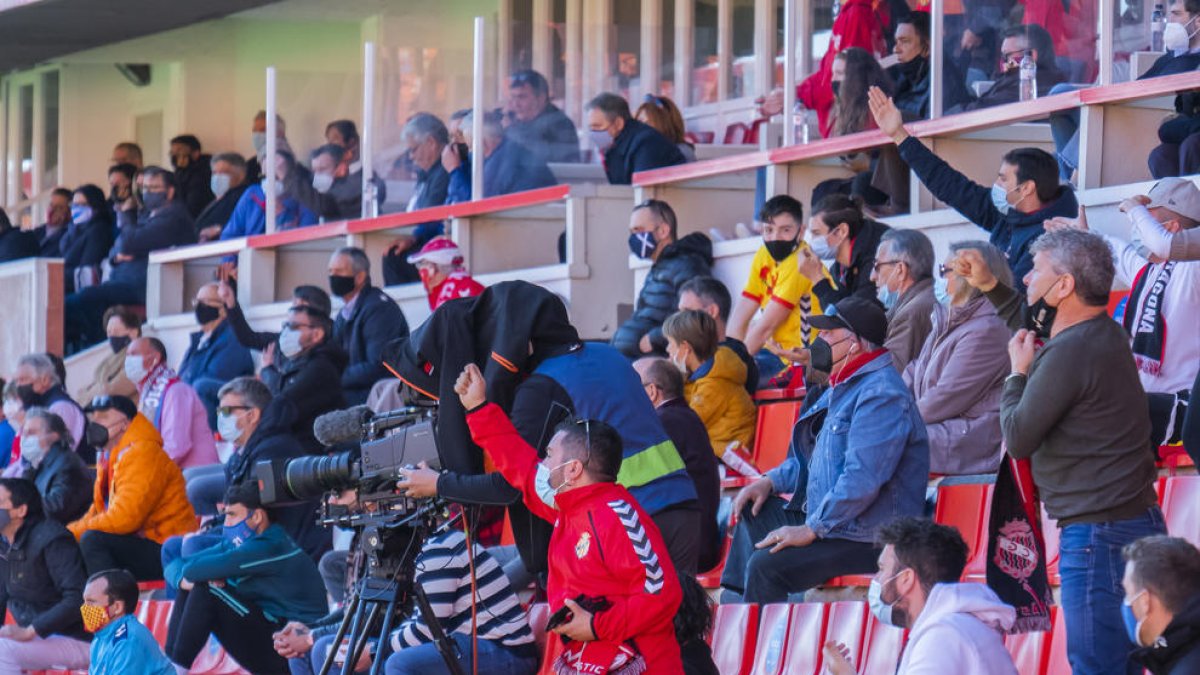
[957, 380]
[717, 392]
[146, 494]
[63, 482]
[42, 577]
[688, 258]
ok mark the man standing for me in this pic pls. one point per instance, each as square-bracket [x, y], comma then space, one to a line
[58, 217]
[368, 321]
[214, 355]
[628, 146]
[537, 124]
[1074, 408]
[170, 404]
[122, 645]
[41, 584]
[604, 547]
[903, 274]
[710, 296]
[653, 235]
[38, 386]
[193, 173]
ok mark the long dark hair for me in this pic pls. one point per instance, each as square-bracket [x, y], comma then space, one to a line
[862, 72]
[101, 212]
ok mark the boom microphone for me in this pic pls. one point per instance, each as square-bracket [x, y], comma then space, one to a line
[342, 426]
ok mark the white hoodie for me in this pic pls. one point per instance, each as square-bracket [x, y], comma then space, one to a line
[959, 631]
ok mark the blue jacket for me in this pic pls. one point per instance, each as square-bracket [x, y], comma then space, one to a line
[510, 168]
[867, 464]
[267, 569]
[124, 647]
[638, 148]
[222, 358]
[1011, 232]
[603, 386]
[250, 215]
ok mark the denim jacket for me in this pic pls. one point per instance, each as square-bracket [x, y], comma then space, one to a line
[865, 464]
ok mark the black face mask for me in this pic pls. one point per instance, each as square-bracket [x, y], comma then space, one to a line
[206, 313]
[821, 356]
[118, 343]
[29, 397]
[837, 86]
[341, 285]
[912, 69]
[780, 250]
[1040, 317]
[96, 435]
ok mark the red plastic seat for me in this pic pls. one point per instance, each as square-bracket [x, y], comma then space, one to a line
[712, 578]
[772, 639]
[847, 624]
[735, 631]
[1028, 651]
[1056, 659]
[736, 133]
[806, 634]
[756, 130]
[773, 433]
[1051, 533]
[156, 616]
[965, 507]
[1181, 507]
[882, 647]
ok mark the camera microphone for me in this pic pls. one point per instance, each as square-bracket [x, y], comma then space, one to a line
[342, 426]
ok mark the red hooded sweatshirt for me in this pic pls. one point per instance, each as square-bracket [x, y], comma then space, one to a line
[603, 544]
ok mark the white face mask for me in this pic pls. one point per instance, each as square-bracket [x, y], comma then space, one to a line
[322, 182]
[885, 612]
[227, 426]
[32, 450]
[135, 368]
[545, 490]
[289, 342]
[259, 140]
[13, 410]
[1176, 37]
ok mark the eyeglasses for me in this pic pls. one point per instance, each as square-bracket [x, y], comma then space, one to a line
[944, 271]
[587, 432]
[292, 325]
[228, 409]
[881, 263]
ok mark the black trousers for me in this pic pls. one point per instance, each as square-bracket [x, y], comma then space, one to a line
[238, 624]
[680, 528]
[106, 551]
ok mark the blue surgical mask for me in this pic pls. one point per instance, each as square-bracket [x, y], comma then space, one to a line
[219, 184]
[1133, 627]
[885, 612]
[541, 484]
[601, 139]
[642, 244]
[80, 214]
[289, 342]
[238, 534]
[1000, 198]
[821, 248]
[941, 290]
[32, 450]
[887, 297]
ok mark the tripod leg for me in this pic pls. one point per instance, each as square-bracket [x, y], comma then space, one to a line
[358, 639]
[389, 615]
[350, 616]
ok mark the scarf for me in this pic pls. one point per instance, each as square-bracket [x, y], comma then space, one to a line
[158, 382]
[599, 657]
[1016, 561]
[1144, 318]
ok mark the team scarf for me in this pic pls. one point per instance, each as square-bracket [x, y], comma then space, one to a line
[599, 657]
[1144, 318]
[1016, 546]
[159, 381]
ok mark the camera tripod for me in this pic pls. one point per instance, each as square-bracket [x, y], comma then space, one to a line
[387, 584]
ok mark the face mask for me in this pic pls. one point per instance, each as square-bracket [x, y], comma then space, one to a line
[81, 214]
[341, 285]
[5, 518]
[1040, 318]
[239, 533]
[887, 297]
[96, 435]
[29, 397]
[601, 139]
[154, 201]
[278, 186]
[781, 249]
[642, 244]
[219, 184]
[119, 342]
[227, 426]
[885, 612]
[837, 87]
[541, 484]
[821, 355]
[206, 314]
[941, 290]
[289, 343]
[135, 368]
[681, 364]
[1176, 37]
[32, 451]
[1000, 198]
[322, 182]
[1133, 627]
[12, 410]
[821, 247]
[259, 140]
[94, 618]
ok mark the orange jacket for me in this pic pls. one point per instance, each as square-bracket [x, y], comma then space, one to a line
[147, 495]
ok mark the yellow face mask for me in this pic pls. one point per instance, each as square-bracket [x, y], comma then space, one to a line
[94, 618]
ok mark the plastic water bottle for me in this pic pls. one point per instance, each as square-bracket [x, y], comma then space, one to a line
[1158, 26]
[800, 121]
[1028, 77]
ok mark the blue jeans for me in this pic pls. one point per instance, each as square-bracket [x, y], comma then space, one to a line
[205, 487]
[1064, 128]
[1092, 568]
[311, 663]
[426, 659]
[769, 366]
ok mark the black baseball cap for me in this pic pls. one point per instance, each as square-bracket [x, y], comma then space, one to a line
[121, 404]
[864, 318]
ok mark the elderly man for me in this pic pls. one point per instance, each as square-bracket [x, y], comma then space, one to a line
[1074, 406]
[39, 386]
[859, 457]
[536, 123]
[425, 137]
[507, 165]
[440, 264]
[1162, 604]
[368, 321]
[903, 276]
[170, 405]
[214, 355]
[627, 145]
[48, 461]
[229, 181]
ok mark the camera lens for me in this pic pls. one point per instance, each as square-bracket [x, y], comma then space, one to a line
[309, 477]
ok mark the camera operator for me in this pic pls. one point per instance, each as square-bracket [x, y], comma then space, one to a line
[244, 589]
[604, 545]
[443, 570]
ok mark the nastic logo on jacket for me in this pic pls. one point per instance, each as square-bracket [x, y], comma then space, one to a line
[583, 545]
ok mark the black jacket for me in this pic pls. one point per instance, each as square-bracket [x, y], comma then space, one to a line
[1011, 232]
[638, 148]
[912, 88]
[144, 232]
[43, 578]
[687, 432]
[551, 136]
[273, 440]
[1169, 64]
[375, 321]
[1007, 89]
[64, 483]
[193, 185]
[686, 259]
[17, 244]
[1177, 651]
[342, 201]
[219, 211]
[85, 245]
[49, 246]
[312, 382]
[855, 279]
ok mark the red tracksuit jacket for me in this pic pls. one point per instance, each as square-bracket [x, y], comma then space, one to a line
[603, 544]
